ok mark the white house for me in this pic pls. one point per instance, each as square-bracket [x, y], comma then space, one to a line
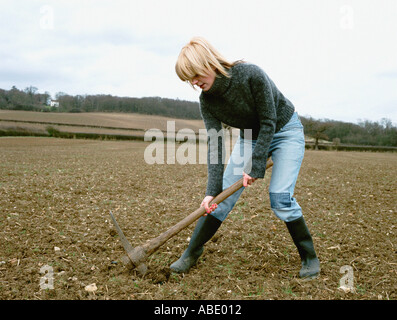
[54, 103]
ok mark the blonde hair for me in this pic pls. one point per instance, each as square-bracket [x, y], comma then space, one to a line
[200, 58]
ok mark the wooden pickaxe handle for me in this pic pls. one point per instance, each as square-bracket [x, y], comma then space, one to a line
[151, 246]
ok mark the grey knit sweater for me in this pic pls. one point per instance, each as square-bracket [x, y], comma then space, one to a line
[247, 100]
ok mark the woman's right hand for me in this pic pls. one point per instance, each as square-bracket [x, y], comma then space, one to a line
[205, 203]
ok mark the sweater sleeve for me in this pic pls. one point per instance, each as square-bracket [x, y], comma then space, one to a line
[261, 89]
[215, 155]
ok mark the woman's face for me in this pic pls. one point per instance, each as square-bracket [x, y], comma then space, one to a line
[204, 82]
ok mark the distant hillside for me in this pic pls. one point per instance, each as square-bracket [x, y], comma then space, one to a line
[104, 120]
[94, 125]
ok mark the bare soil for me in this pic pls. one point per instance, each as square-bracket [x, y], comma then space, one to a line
[55, 198]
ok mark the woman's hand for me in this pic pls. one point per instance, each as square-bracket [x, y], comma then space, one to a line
[247, 180]
[205, 203]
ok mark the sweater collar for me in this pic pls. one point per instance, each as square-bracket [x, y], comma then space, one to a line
[220, 85]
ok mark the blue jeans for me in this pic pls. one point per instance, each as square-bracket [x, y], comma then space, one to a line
[286, 149]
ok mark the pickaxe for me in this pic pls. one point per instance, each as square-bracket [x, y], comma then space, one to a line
[136, 257]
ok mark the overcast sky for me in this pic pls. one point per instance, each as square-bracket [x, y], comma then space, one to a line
[334, 59]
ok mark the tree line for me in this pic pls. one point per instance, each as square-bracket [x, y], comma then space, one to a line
[371, 133]
[366, 132]
[29, 100]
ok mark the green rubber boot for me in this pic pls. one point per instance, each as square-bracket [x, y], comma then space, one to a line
[303, 240]
[204, 231]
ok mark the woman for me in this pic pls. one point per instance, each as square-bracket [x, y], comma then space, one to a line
[241, 95]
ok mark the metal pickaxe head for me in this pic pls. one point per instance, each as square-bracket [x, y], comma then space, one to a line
[136, 256]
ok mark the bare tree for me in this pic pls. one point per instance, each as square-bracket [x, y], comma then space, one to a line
[316, 129]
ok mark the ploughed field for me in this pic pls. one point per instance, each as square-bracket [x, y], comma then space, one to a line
[57, 240]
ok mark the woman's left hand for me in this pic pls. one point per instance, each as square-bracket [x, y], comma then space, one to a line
[247, 180]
